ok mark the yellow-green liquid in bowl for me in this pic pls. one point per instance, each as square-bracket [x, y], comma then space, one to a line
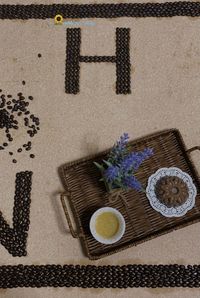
[107, 225]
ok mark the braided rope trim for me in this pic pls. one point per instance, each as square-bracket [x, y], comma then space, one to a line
[138, 10]
[127, 276]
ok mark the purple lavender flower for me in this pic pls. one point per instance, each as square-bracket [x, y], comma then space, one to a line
[111, 173]
[132, 182]
[121, 144]
[133, 160]
[128, 162]
[142, 156]
[119, 150]
[138, 159]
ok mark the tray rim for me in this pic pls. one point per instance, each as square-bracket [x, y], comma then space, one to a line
[137, 140]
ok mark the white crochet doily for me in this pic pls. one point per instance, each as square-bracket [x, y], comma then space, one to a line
[163, 209]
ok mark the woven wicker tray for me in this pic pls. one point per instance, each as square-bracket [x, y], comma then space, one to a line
[86, 194]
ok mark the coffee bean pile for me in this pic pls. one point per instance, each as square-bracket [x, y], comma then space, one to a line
[127, 276]
[14, 239]
[12, 110]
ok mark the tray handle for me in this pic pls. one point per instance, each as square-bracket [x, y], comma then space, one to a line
[193, 149]
[75, 234]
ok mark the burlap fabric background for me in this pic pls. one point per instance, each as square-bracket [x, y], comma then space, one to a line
[165, 93]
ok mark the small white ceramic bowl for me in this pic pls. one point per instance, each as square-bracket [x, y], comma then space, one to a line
[120, 232]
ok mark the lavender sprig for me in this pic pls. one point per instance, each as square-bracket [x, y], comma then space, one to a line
[134, 159]
[119, 150]
[118, 170]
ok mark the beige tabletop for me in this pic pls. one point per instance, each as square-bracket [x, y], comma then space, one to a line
[165, 87]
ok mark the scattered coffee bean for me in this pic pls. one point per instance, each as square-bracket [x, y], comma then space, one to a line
[10, 110]
[23, 82]
[39, 55]
[32, 155]
[14, 161]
